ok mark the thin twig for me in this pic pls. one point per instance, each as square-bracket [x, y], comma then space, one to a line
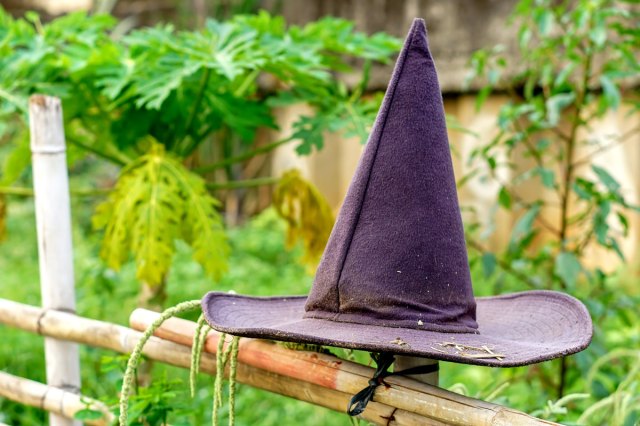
[247, 183]
[95, 151]
[28, 192]
[619, 141]
[242, 157]
[204, 82]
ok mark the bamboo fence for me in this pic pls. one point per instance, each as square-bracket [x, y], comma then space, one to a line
[54, 400]
[308, 376]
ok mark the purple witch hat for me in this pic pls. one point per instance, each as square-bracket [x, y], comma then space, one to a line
[394, 277]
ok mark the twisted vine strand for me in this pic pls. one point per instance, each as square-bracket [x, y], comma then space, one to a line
[199, 338]
[134, 359]
[233, 367]
[203, 340]
[224, 356]
[217, 384]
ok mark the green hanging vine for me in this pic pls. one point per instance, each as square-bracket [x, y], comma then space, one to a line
[224, 356]
[199, 337]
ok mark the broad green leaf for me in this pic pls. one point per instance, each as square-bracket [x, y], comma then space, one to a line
[611, 94]
[244, 116]
[598, 34]
[524, 37]
[547, 176]
[489, 263]
[544, 19]
[600, 224]
[556, 104]
[17, 161]
[613, 244]
[170, 72]
[624, 221]
[524, 225]
[155, 202]
[606, 179]
[504, 198]
[482, 96]
[584, 189]
[567, 268]
[88, 414]
[564, 75]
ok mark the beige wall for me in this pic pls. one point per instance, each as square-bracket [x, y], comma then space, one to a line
[332, 168]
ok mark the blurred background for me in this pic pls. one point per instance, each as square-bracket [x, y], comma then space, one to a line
[543, 112]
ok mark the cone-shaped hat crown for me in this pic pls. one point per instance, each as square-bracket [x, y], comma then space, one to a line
[397, 255]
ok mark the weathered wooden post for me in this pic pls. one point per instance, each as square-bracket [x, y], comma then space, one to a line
[55, 251]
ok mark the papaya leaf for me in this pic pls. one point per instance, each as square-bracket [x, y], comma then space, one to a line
[202, 224]
[307, 213]
[155, 202]
[18, 159]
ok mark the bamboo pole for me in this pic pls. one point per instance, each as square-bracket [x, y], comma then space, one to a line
[51, 399]
[55, 252]
[406, 394]
[405, 362]
[121, 339]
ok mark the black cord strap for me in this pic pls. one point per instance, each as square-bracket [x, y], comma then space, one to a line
[359, 401]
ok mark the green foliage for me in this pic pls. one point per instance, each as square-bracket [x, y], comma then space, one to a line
[154, 404]
[156, 201]
[575, 61]
[621, 398]
[214, 87]
[554, 409]
[183, 86]
[87, 414]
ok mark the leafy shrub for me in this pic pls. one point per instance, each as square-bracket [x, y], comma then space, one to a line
[576, 62]
[125, 97]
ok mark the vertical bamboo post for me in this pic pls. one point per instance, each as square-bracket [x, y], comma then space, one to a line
[55, 251]
[404, 362]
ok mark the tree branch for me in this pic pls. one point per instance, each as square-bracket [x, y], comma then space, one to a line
[248, 183]
[242, 157]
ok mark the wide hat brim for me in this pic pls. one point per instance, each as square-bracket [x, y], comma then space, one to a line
[514, 330]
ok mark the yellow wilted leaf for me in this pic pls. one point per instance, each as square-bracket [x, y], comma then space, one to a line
[307, 213]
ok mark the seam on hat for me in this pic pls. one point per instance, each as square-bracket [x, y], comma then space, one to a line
[395, 80]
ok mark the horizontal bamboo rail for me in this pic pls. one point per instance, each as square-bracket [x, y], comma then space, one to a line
[121, 339]
[51, 399]
[403, 402]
